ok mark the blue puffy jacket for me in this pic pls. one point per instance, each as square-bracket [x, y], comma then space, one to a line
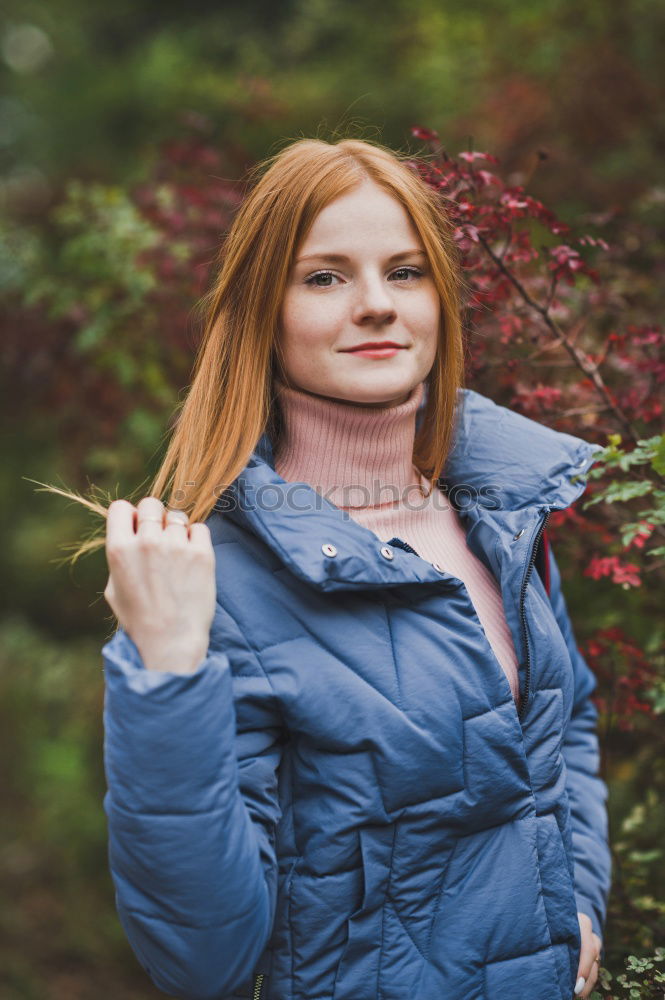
[343, 802]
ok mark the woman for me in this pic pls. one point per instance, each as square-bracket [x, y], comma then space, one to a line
[350, 746]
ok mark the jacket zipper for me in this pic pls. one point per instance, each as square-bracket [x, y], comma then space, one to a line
[525, 583]
[258, 984]
[401, 544]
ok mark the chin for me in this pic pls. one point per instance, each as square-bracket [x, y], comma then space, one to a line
[373, 391]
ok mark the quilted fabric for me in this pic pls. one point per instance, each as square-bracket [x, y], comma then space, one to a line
[342, 802]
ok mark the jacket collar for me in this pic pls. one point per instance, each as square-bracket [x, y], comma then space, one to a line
[523, 462]
[502, 469]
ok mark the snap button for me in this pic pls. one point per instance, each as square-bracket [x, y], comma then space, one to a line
[438, 568]
[387, 552]
[580, 465]
[519, 534]
[329, 550]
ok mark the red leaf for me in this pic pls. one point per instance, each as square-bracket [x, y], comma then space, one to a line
[471, 157]
[426, 134]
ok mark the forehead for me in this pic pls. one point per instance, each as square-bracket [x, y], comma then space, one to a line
[369, 214]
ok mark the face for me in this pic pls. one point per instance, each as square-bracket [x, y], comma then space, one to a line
[361, 277]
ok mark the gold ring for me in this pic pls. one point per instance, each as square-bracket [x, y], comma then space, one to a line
[177, 517]
[597, 959]
[157, 520]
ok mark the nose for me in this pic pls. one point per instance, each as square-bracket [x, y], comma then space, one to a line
[373, 302]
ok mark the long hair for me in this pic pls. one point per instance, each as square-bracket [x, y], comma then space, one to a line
[232, 399]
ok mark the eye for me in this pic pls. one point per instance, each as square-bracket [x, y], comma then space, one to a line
[313, 279]
[402, 273]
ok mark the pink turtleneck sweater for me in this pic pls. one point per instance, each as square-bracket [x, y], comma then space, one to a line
[360, 458]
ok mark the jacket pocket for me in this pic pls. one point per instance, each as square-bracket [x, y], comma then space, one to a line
[277, 976]
[357, 972]
[534, 975]
[446, 868]
[558, 893]
[319, 903]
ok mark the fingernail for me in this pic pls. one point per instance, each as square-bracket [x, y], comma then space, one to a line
[579, 985]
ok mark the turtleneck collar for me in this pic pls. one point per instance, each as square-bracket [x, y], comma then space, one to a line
[356, 456]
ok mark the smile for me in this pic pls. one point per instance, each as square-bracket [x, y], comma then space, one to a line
[385, 349]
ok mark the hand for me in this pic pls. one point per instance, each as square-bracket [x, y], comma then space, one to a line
[161, 584]
[587, 971]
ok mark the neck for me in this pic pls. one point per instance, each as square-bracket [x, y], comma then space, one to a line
[357, 456]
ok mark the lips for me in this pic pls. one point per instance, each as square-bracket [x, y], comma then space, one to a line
[371, 346]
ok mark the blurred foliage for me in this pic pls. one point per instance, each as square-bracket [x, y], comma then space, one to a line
[643, 979]
[123, 133]
[95, 88]
[59, 937]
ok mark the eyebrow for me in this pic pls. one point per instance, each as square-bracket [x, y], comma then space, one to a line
[340, 258]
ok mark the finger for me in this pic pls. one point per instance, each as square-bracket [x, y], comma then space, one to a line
[109, 592]
[595, 966]
[119, 522]
[590, 982]
[175, 516]
[199, 536]
[149, 517]
[586, 964]
[177, 526]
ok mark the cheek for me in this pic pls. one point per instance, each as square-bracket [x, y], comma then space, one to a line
[429, 317]
[305, 322]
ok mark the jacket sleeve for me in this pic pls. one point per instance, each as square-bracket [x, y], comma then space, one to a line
[587, 792]
[191, 768]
